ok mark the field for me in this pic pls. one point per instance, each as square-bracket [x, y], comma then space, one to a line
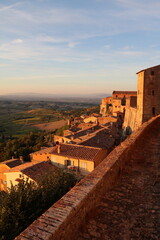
[51, 126]
[21, 117]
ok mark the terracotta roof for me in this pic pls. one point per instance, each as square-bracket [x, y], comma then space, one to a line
[77, 151]
[22, 166]
[37, 170]
[33, 169]
[148, 68]
[83, 132]
[45, 150]
[101, 138]
[124, 92]
[12, 163]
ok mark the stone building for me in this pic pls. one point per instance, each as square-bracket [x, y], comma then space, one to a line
[15, 172]
[80, 158]
[148, 99]
[116, 103]
[104, 106]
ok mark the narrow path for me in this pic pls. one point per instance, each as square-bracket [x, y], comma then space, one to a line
[131, 210]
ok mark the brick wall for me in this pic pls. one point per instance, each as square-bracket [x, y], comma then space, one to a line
[65, 217]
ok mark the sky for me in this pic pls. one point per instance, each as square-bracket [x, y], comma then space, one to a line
[74, 47]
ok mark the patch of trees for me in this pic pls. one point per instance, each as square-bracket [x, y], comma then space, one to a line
[25, 202]
[79, 112]
[23, 146]
[59, 131]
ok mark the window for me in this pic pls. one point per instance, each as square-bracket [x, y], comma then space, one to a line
[152, 92]
[69, 162]
[153, 111]
[152, 73]
[84, 165]
[116, 96]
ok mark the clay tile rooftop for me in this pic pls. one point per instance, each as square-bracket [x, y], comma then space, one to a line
[45, 150]
[75, 151]
[12, 163]
[37, 170]
[22, 166]
[33, 169]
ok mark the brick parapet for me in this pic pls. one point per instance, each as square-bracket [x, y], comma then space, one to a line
[62, 220]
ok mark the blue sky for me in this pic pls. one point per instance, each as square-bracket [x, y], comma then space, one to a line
[76, 47]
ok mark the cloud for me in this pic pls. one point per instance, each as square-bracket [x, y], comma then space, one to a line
[70, 24]
[143, 7]
[17, 40]
[107, 46]
[5, 8]
[132, 53]
[72, 44]
[50, 39]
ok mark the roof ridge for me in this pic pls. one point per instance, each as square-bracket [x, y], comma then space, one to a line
[68, 144]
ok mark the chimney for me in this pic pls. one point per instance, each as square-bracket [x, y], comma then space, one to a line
[58, 148]
[21, 159]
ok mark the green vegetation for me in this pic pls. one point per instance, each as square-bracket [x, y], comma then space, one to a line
[24, 203]
[59, 131]
[78, 112]
[21, 123]
[24, 145]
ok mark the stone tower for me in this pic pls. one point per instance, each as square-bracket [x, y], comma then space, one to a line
[148, 94]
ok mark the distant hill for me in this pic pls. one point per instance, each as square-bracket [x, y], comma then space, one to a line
[93, 98]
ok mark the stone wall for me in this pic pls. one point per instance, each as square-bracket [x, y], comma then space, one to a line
[65, 217]
[148, 97]
[130, 121]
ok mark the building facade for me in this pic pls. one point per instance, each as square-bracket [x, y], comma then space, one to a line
[116, 103]
[82, 158]
[148, 99]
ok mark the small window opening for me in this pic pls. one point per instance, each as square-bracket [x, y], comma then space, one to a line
[152, 92]
[153, 111]
[152, 73]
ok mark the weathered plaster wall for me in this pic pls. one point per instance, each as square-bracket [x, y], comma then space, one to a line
[78, 163]
[40, 156]
[131, 122]
[62, 220]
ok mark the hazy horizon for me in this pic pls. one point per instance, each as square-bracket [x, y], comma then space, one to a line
[76, 47]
